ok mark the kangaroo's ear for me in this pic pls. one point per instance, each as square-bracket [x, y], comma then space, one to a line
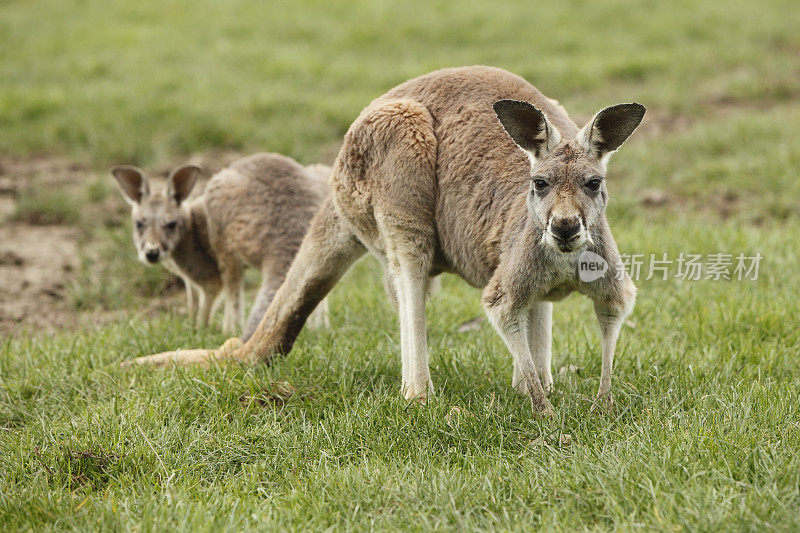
[131, 182]
[610, 128]
[527, 126]
[181, 182]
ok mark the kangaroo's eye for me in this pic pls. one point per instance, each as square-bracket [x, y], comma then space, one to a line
[139, 224]
[170, 225]
[540, 184]
[593, 184]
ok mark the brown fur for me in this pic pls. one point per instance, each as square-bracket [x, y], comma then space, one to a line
[253, 212]
[429, 181]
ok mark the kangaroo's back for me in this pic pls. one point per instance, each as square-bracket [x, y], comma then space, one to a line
[480, 172]
[260, 206]
[451, 92]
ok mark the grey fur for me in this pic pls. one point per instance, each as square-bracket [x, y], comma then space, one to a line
[254, 212]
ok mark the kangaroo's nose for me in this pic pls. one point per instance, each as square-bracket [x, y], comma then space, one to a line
[152, 251]
[565, 229]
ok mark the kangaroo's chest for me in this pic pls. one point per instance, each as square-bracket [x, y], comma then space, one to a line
[194, 264]
[559, 292]
[173, 268]
[561, 277]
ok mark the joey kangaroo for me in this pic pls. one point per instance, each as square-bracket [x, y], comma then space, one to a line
[254, 212]
[472, 171]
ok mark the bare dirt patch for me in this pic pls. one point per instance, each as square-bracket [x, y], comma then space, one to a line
[6, 206]
[39, 260]
[721, 205]
[657, 123]
[36, 263]
[18, 173]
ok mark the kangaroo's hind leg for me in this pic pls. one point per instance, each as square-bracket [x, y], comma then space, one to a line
[327, 251]
[207, 297]
[409, 273]
[385, 185]
[269, 286]
[191, 302]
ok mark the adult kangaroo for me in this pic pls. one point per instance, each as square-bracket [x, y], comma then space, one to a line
[429, 180]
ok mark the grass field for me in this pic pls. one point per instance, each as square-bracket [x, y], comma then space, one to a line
[706, 433]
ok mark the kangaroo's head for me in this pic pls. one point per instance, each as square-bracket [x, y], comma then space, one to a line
[159, 223]
[568, 193]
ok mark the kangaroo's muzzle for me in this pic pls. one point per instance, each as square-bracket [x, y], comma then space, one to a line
[566, 234]
[152, 252]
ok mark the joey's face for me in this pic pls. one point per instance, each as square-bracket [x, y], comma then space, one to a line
[567, 196]
[159, 223]
[158, 227]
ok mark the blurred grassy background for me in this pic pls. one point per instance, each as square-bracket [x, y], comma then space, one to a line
[111, 82]
[707, 431]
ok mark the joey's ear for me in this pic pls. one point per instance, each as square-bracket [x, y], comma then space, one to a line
[610, 128]
[527, 126]
[181, 182]
[131, 182]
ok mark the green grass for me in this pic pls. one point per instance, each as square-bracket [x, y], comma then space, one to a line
[706, 431]
[43, 205]
[706, 435]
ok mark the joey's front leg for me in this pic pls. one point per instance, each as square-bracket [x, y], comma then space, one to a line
[203, 309]
[191, 302]
[232, 317]
[233, 289]
[207, 295]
